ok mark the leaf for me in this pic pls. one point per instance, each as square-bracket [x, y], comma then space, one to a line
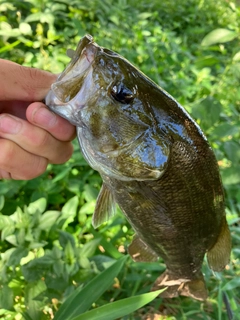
[232, 284]
[16, 256]
[69, 253]
[2, 200]
[88, 207]
[31, 292]
[89, 248]
[7, 231]
[82, 298]
[25, 28]
[224, 129]
[232, 149]
[48, 219]
[62, 174]
[236, 57]
[37, 206]
[208, 111]
[121, 308]
[231, 175]
[70, 207]
[6, 297]
[65, 237]
[218, 36]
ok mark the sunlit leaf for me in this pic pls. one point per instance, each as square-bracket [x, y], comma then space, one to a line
[236, 57]
[82, 299]
[120, 308]
[218, 36]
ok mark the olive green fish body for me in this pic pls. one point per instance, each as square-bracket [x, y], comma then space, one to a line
[155, 162]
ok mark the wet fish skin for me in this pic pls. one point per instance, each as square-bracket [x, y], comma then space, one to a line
[155, 162]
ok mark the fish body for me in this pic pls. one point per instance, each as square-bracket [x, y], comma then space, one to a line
[155, 162]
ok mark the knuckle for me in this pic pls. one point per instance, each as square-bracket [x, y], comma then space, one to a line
[7, 153]
[43, 139]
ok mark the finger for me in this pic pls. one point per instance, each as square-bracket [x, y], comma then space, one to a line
[17, 108]
[39, 115]
[16, 163]
[34, 140]
[23, 83]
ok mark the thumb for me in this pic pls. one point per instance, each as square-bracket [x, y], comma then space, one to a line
[23, 83]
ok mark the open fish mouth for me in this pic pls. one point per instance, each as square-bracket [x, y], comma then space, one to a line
[74, 85]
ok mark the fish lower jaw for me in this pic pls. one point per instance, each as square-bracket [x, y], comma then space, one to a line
[65, 110]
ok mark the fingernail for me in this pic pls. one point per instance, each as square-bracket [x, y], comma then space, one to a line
[9, 124]
[45, 118]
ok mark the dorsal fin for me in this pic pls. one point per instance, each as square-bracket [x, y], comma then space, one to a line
[105, 207]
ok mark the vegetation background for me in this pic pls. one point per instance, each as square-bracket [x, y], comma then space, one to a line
[48, 246]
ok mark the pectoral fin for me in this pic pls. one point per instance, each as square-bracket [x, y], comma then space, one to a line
[218, 256]
[140, 251]
[105, 207]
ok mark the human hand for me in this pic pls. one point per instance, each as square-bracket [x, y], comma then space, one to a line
[31, 136]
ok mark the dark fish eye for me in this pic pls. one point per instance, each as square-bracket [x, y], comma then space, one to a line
[122, 94]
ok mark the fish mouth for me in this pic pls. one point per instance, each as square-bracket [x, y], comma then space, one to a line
[69, 94]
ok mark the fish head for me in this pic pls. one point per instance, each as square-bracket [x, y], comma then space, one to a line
[107, 99]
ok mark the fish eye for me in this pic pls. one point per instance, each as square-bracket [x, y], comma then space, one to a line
[122, 94]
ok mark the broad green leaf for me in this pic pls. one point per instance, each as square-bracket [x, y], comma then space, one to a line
[236, 57]
[218, 36]
[88, 207]
[70, 207]
[82, 299]
[89, 248]
[34, 306]
[48, 219]
[25, 28]
[5, 221]
[90, 192]
[7, 231]
[37, 206]
[120, 308]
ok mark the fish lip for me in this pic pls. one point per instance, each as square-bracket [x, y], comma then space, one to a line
[79, 67]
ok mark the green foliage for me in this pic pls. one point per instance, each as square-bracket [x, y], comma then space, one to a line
[49, 251]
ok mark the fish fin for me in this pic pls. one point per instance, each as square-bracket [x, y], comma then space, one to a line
[140, 251]
[193, 288]
[105, 207]
[219, 255]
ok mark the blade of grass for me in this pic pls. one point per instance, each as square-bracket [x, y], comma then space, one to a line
[82, 299]
[26, 316]
[119, 308]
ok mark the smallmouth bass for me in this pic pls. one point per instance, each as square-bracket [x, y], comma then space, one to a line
[155, 162]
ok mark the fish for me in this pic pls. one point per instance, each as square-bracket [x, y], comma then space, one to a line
[155, 162]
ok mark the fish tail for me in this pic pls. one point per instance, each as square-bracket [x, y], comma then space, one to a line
[194, 288]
